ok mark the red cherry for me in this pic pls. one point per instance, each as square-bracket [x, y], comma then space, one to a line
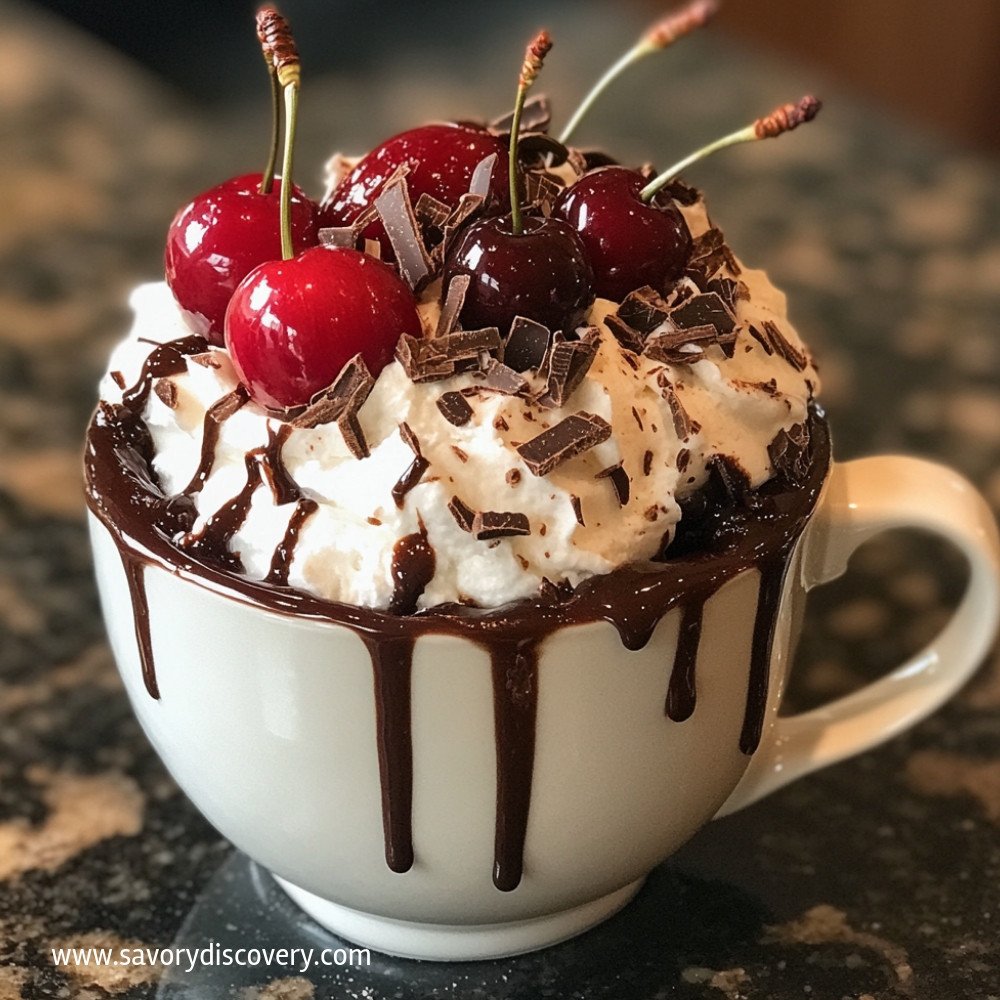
[441, 160]
[541, 273]
[292, 325]
[217, 239]
[630, 243]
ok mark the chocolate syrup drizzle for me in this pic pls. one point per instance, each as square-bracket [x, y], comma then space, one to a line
[709, 549]
[215, 416]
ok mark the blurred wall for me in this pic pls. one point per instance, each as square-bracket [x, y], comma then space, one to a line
[936, 61]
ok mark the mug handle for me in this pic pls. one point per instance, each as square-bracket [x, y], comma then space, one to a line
[862, 499]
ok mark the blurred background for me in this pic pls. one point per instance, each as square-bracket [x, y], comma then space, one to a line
[931, 62]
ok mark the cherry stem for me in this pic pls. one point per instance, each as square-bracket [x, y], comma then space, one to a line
[516, 223]
[781, 120]
[291, 118]
[659, 36]
[637, 52]
[534, 56]
[267, 179]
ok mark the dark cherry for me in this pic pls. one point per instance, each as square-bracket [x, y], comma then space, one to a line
[542, 273]
[441, 160]
[216, 240]
[630, 243]
[292, 325]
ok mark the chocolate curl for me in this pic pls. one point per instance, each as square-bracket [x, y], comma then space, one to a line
[787, 117]
[679, 23]
[279, 46]
[534, 56]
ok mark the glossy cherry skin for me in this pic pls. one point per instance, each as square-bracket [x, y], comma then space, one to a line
[441, 158]
[292, 325]
[542, 274]
[629, 243]
[216, 240]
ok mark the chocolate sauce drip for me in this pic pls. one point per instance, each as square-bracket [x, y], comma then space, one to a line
[719, 538]
[412, 569]
[135, 568]
[212, 542]
[165, 360]
[772, 578]
[515, 701]
[392, 662]
[281, 561]
[215, 416]
[284, 489]
[682, 691]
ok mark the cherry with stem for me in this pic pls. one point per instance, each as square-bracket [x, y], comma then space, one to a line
[224, 233]
[521, 265]
[293, 324]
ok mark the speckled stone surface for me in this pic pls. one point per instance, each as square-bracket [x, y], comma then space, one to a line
[879, 878]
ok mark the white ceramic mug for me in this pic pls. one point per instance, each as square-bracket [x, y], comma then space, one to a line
[267, 723]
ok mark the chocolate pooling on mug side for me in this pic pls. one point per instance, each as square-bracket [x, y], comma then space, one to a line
[725, 530]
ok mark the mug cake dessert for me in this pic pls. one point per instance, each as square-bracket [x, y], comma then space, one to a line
[438, 408]
[492, 387]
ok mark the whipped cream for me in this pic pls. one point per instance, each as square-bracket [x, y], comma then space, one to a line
[345, 548]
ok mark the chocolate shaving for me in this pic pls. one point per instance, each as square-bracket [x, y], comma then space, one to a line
[577, 509]
[453, 301]
[468, 205]
[166, 391]
[423, 360]
[669, 345]
[643, 309]
[789, 454]
[707, 309]
[535, 116]
[342, 237]
[207, 359]
[441, 357]
[409, 438]
[500, 378]
[482, 177]
[526, 344]
[340, 403]
[354, 436]
[566, 366]
[409, 478]
[488, 524]
[397, 215]
[513, 477]
[541, 189]
[730, 290]
[538, 148]
[683, 459]
[119, 379]
[463, 514]
[784, 348]
[454, 408]
[619, 480]
[684, 426]
[572, 436]
[462, 456]
[647, 463]
[629, 339]
[429, 211]
[761, 339]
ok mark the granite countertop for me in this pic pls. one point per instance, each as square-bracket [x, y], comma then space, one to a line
[879, 878]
